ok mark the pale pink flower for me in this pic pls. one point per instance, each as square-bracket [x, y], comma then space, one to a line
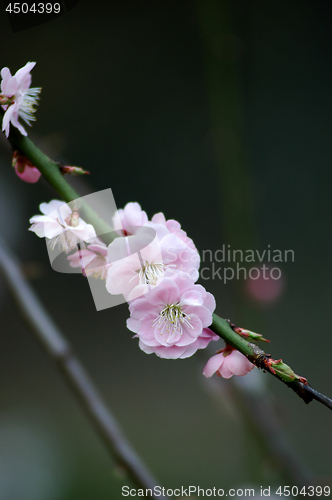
[61, 226]
[92, 260]
[22, 97]
[25, 169]
[174, 227]
[228, 362]
[129, 219]
[172, 319]
[134, 273]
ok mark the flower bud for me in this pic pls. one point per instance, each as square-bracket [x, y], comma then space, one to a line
[278, 367]
[73, 170]
[247, 334]
[24, 168]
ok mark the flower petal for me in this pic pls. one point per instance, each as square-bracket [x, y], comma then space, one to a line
[23, 76]
[238, 364]
[213, 365]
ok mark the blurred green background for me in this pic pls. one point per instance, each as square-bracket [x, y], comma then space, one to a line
[219, 115]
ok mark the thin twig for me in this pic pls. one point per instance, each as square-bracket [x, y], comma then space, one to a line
[319, 397]
[74, 373]
[264, 361]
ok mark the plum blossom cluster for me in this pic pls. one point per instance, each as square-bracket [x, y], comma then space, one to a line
[153, 263]
[169, 312]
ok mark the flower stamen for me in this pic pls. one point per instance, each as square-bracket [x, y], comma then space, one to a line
[150, 273]
[27, 107]
[172, 317]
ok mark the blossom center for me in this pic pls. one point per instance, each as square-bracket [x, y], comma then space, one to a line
[173, 318]
[27, 106]
[67, 239]
[73, 219]
[150, 273]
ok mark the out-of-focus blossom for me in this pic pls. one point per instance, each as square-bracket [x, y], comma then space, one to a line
[268, 287]
[24, 168]
[20, 99]
[61, 226]
[172, 319]
[226, 363]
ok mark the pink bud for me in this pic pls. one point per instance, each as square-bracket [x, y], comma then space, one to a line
[24, 168]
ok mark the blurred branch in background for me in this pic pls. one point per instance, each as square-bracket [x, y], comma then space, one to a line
[257, 408]
[74, 373]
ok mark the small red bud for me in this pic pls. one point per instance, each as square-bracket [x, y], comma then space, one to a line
[66, 169]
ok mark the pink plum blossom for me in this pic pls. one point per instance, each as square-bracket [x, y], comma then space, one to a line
[93, 260]
[25, 169]
[172, 319]
[22, 98]
[137, 273]
[228, 362]
[129, 219]
[174, 227]
[61, 226]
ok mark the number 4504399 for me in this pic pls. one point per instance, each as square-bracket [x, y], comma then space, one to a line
[35, 8]
[310, 491]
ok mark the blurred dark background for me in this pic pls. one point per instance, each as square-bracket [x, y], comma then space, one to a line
[219, 115]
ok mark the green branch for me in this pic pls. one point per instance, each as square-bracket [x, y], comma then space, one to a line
[50, 170]
[264, 361]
